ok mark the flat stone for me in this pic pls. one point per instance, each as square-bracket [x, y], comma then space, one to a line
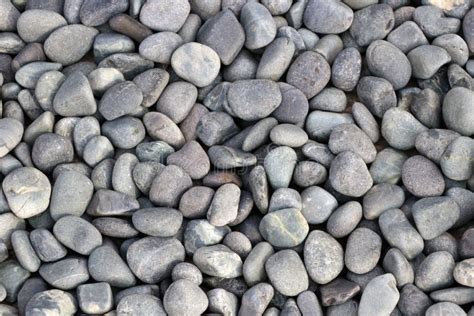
[77, 234]
[380, 296]
[218, 261]
[413, 301]
[158, 222]
[159, 47]
[457, 111]
[161, 15]
[434, 215]
[11, 135]
[287, 273]
[110, 203]
[284, 228]
[9, 17]
[445, 308]
[192, 158]
[31, 24]
[327, 17]
[65, 274]
[152, 83]
[395, 262]
[256, 299]
[24, 252]
[200, 233]
[372, 23]
[279, 165]
[106, 265]
[161, 127]
[168, 187]
[121, 99]
[46, 246]
[427, 59]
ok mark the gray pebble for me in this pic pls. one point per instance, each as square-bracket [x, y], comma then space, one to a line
[327, 17]
[380, 296]
[287, 273]
[179, 92]
[372, 23]
[455, 46]
[46, 88]
[329, 46]
[285, 198]
[143, 174]
[121, 99]
[160, 15]
[51, 149]
[28, 75]
[238, 243]
[348, 308]
[192, 159]
[394, 262]
[463, 272]
[399, 233]
[77, 234]
[318, 152]
[346, 137]
[349, 174]
[31, 26]
[24, 252]
[377, 94]
[224, 206]
[115, 227]
[433, 23]
[140, 304]
[456, 160]
[422, 177]
[199, 233]
[13, 276]
[426, 60]
[260, 28]
[243, 67]
[65, 274]
[169, 185]
[129, 64]
[71, 194]
[195, 202]
[83, 131]
[161, 127]
[125, 132]
[407, 36]
[152, 258]
[153, 151]
[338, 292]
[95, 14]
[381, 198]
[9, 17]
[97, 149]
[276, 59]
[346, 68]
[444, 242]
[152, 84]
[310, 73]
[158, 222]
[445, 308]
[188, 271]
[218, 261]
[108, 44]
[223, 302]
[413, 301]
[317, 213]
[344, 219]
[458, 77]
[42, 124]
[288, 135]
[11, 135]
[10, 43]
[284, 228]
[106, 265]
[279, 165]
[95, 298]
[52, 302]
[458, 295]
[329, 99]
[68, 44]
[400, 128]
[457, 110]
[309, 173]
[366, 121]
[362, 251]
[465, 199]
[101, 79]
[426, 106]
[468, 35]
[183, 297]
[225, 157]
[122, 174]
[256, 299]
[434, 215]
[254, 265]
[435, 272]
[387, 166]
[110, 203]
[46, 246]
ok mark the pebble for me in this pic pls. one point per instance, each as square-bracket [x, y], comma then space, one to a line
[52, 302]
[222, 301]
[177, 92]
[218, 261]
[457, 295]
[435, 271]
[310, 73]
[115, 227]
[348, 137]
[407, 36]
[224, 205]
[200, 233]
[9, 17]
[318, 245]
[125, 132]
[152, 84]
[377, 94]
[141, 304]
[463, 272]
[372, 23]
[380, 296]
[77, 234]
[65, 274]
[125, 24]
[28, 75]
[287, 273]
[426, 60]
[109, 203]
[327, 17]
[256, 299]
[445, 308]
[106, 265]
[129, 64]
[160, 15]
[31, 26]
[251, 100]
[338, 292]
[455, 46]
[363, 250]
[50, 150]
[93, 13]
[288, 135]
[254, 265]
[46, 246]
[10, 43]
[196, 63]
[422, 177]
[161, 127]
[95, 298]
[455, 161]
[185, 298]
[344, 219]
[158, 222]
[260, 28]
[394, 262]
[195, 202]
[320, 212]
[349, 175]
[24, 252]
[159, 47]
[279, 165]
[457, 111]
[225, 157]
[276, 59]
[152, 258]
[284, 228]
[11, 135]
[169, 185]
[192, 158]
[121, 99]
[309, 173]
[434, 215]
[387, 166]
[108, 44]
[432, 21]
[68, 44]
[381, 198]
[97, 149]
[413, 301]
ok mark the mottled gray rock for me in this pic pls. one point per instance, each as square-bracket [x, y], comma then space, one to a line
[344, 219]
[95, 298]
[426, 60]
[387, 166]
[183, 297]
[279, 165]
[338, 292]
[456, 160]
[254, 264]
[256, 299]
[125, 132]
[457, 110]
[77, 234]
[223, 301]
[169, 185]
[121, 99]
[158, 222]
[463, 272]
[349, 174]
[97, 149]
[152, 258]
[458, 295]
[310, 73]
[52, 302]
[224, 206]
[141, 304]
[188, 271]
[455, 46]
[346, 137]
[377, 94]
[46, 245]
[317, 213]
[346, 68]
[196, 63]
[380, 198]
[10, 43]
[65, 274]
[152, 84]
[363, 250]
[107, 44]
[195, 202]
[94, 13]
[182, 93]
[435, 272]
[380, 296]
[31, 24]
[260, 28]
[129, 64]
[445, 308]
[372, 23]
[50, 150]
[9, 17]
[288, 135]
[434, 215]
[284, 228]
[192, 159]
[327, 17]
[322, 245]
[11, 133]
[24, 252]
[106, 265]
[287, 272]
[400, 128]
[433, 23]
[199, 233]
[110, 203]
[422, 177]
[68, 44]
[28, 75]
[395, 262]
[218, 261]
[161, 127]
[407, 36]
[161, 15]
[413, 301]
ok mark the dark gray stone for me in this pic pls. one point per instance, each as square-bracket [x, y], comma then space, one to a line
[65, 274]
[260, 28]
[158, 222]
[106, 265]
[121, 99]
[372, 23]
[422, 177]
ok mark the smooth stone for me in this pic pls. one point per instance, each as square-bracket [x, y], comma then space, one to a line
[46, 246]
[51, 302]
[95, 298]
[310, 73]
[168, 187]
[28, 290]
[152, 84]
[115, 227]
[348, 308]
[50, 150]
[344, 219]
[121, 99]
[395, 262]
[457, 295]
[329, 99]
[426, 60]
[13, 276]
[455, 46]
[93, 13]
[372, 23]
[346, 69]
[83, 131]
[215, 128]
[97, 149]
[387, 166]
[319, 245]
[287, 273]
[349, 175]
[125, 24]
[243, 67]
[157, 222]
[338, 292]
[421, 177]
[125, 132]
[254, 265]
[27, 191]
[77, 234]
[9, 17]
[276, 59]
[380, 296]
[309, 173]
[256, 299]
[327, 17]
[11, 135]
[111, 203]
[122, 174]
[435, 272]
[413, 301]
[284, 228]
[68, 44]
[279, 165]
[192, 158]
[43, 124]
[65, 274]
[457, 110]
[218, 261]
[407, 36]
[285, 198]
[152, 258]
[182, 93]
[445, 308]
[434, 215]
[253, 99]
[400, 128]
[31, 24]
[399, 233]
[161, 127]
[224, 205]
[46, 88]
[129, 64]
[225, 157]
[348, 137]
[161, 15]
[74, 97]
[363, 250]
[293, 108]
[433, 22]
[320, 212]
[195, 202]
[366, 121]
[143, 174]
[28, 75]
[10, 43]
[200, 233]
[377, 94]
[106, 265]
[426, 106]
[259, 188]
[187, 271]
[455, 162]
[141, 304]
[381, 198]
[288, 135]
[108, 44]
[222, 301]
[444, 242]
[183, 297]
[24, 252]
[260, 28]
[159, 47]
[10, 223]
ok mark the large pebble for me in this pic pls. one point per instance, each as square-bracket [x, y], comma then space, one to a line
[65, 274]
[256, 299]
[445, 308]
[377, 94]
[169, 185]
[327, 17]
[372, 23]
[456, 161]
[46, 246]
[317, 213]
[183, 297]
[458, 110]
[51, 302]
[9, 17]
[349, 174]
[141, 304]
[427, 59]
[121, 99]
[31, 26]
[218, 261]
[106, 265]
[380, 297]
[346, 68]
[463, 272]
[224, 206]
[77, 234]
[435, 271]
[110, 203]
[158, 222]
[287, 273]
[11, 133]
[260, 28]
[162, 15]
[350, 137]
[199, 233]
[363, 250]
[161, 127]
[95, 13]
[434, 215]
[284, 228]
[74, 97]
[422, 177]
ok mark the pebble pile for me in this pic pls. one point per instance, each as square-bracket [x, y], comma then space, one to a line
[237, 157]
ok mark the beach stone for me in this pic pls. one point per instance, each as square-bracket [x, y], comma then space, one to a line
[65, 274]
[183, 297]
[68, 44]
[284, 228]
[256, 299]
[457, 110]
[222, 301]
[160, 15]
[407, 36]
[320, 212]
[387, 166]
[318, 245]
[200, 233]
[53, 302]
[46, 246]
[434, 215]
[121, 99]
[187, 271]
[463, 272]
[260, 28]
[445, 308]
[31, 24]
[177, 92]
[224, 206]
[426, 60]
[319, 126]
[128, 25]
[435, 272]
[195, 202]
[288, 135]
[349, 174]
[109, 44]
[159, 47]
[327, 18]
[380, 296]
[243, 67]
[192, 159]
[380, 198]
[50, 150]
[225, 157]
[94, 13]
[95, 298]
[13, 276]
[152, 83]
[47, 87]
[422, 177]
[456, 160]
[348, 308]
[377, 94]
[433, 23]
[287, 273]
[346, 69]
[196, 63]
[74, 97]
[125, 132]
[168, 187]
[27, 191]
[244, 96]
[285, 198]
[109, 203]
[97, 149]
[11, 135]
[400, 128]
[161, 127]
[218, 261]
[24, 252]
[394, 262]
[129, 64]
[144, 173]
[102, 79]
[372, 23]
[363, 250]
[254, 265]
[115, 227]
[106, 265]
[279, 165]
[144, 304]
[399, 233]
[457, 295]
[455, 46]
[158, 222]
[77, 234]
[309, 173]
[9, 18]
[444, 242]
[344, 219]
[413, 301]
[346, 137]
[152, 258]
[338, 292]
[310, 73]
[276, 59]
